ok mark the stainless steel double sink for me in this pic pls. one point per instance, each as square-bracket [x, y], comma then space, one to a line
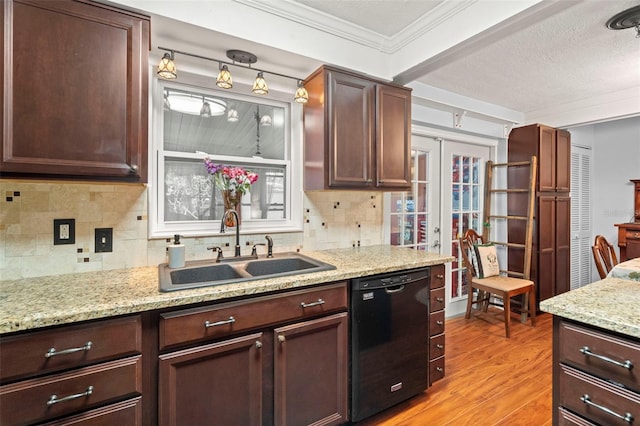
[205, 273]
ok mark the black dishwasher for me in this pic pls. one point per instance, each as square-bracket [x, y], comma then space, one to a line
[389, 340]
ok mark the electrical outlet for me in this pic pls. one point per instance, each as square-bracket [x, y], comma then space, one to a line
[104, 240]
[64, 231]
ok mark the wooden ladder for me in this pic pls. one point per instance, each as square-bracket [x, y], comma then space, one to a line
[489, 218]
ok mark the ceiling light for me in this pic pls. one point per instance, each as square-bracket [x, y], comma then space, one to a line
[260, 85]
[232, 115]
[187, 103]
[166, 67]
[224, 78]
[629, 18]
[302, 96]
[205, 111]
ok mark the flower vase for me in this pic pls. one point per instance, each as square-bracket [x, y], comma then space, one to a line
[231, 202]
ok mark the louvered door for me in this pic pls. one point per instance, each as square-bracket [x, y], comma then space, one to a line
[581, 257]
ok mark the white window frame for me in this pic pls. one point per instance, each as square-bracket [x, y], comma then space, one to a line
[292, 162]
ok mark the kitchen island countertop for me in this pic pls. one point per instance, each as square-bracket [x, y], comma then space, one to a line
[612, 304]
[31, 303]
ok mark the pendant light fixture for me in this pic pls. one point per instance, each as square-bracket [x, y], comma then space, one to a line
[302, 96]
[224, 78]
[167, 70]
[166, 67]
[260, 85]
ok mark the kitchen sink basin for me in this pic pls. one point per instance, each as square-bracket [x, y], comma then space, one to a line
[205, 273]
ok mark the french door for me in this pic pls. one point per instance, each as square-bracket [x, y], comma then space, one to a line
[462, 206]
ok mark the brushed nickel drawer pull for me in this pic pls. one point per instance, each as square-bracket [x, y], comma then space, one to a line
[53, 352]
[440, 346]
[440, 299]
[440, 322]
[587, 400]
[208, 324]
[626, 364]
[439, 276]
[308, 305]
[439, 369]
[53, 399]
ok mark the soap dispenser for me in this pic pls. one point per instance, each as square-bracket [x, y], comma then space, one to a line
[176, 253]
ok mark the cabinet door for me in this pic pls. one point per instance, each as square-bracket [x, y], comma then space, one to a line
[311, 372]
[546, 265]
[219, 383]
[563, 244]
[350, 138]
[75, 90]
[393, 130]
[563, 161]
[547, 160]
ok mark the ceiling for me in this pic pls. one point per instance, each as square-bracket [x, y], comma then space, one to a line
[546, 61]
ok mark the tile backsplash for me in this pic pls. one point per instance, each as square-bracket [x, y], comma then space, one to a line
[332, 219]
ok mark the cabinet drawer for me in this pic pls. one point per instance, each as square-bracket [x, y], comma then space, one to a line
[436, 369]
[437, 276]
[126, 413]
[595, 399]
[192, 325]
[567, 418]
[40, 399]
[632, 235]
[436, 346]
[47, 351]
[617, 352]
[436, 323]
[436, 299]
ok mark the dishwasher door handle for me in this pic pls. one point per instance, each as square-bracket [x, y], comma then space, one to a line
[394, 289]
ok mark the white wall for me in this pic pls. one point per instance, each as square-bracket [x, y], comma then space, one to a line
[616, 159]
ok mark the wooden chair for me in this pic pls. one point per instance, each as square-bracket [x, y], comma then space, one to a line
[499, 286]
[604, 255]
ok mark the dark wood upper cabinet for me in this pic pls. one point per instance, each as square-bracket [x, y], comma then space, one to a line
[75, 90]
[357, 132]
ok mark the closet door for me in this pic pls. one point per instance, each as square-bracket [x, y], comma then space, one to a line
[581, 256]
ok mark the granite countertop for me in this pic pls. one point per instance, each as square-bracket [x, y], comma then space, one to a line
[612, 304]
[62, 299]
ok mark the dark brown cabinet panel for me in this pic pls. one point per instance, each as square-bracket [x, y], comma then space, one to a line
[74, 90]
[551, 252]
[357, 132]
[221, 381]
[310, 370]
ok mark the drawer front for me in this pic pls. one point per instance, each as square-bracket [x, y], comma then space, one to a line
[40, 399]
[436, 370]
[192, 325]
[437, 276]
[436, 323]
[632, 234]
[567, 418]
[595, 399]
[436, 346]
[600, 354]
[47, 351]
[436, 299]
[126, 413]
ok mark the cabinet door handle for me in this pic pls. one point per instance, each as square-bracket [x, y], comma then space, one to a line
[626, 364]
[439, 369]
[281, 338]
[208, 324]
[439, 299]
[53, 352]
[587, 400]
[440, 276]
[440, 322]
[440, 346]
[258, 344]
[53, 399]
[133, 169]
[308, 305]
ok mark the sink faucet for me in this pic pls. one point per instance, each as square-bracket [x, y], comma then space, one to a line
[269, 245]
[222, 228]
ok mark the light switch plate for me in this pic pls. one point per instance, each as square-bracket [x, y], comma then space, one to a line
[104, 240]
[64, 231]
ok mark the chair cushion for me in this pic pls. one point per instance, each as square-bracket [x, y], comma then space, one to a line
[502, 283]
[487, 260]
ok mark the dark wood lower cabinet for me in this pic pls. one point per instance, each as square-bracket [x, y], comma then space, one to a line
[218, 383]
[310, 370]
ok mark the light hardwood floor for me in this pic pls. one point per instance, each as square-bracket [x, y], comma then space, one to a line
[489, 379]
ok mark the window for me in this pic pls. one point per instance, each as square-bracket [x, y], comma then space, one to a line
[255, 133]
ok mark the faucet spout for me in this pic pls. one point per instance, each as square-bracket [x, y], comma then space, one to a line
[222, 228]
